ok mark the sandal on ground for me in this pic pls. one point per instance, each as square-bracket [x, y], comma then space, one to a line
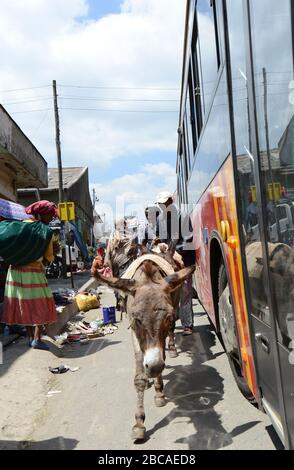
[187, 332]
[38, 344]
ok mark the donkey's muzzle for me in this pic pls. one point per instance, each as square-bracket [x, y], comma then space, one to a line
[153, 362]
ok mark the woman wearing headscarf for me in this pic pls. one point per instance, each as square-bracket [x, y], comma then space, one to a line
[28, 300]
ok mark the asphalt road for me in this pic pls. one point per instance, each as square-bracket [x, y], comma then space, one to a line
[94, 407]
[78, 278]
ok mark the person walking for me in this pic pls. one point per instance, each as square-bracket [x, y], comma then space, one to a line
[173, 227]
[146, 228]
[28, 300]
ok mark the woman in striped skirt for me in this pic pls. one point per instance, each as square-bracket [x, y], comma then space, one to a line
[28, 300]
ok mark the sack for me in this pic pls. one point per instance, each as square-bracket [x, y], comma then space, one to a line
[22, 243]
[86, 301]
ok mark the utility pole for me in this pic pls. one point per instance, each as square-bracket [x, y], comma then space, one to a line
[58, 148]
[59, 163]
[38, 196]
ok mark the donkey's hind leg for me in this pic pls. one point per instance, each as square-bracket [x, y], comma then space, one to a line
[159, 398]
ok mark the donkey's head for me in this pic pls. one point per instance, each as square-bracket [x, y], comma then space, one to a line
[151, 309]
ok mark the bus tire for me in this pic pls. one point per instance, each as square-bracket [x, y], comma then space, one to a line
[229, 335]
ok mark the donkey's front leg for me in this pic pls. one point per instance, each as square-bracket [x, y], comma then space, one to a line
[159, 398]
[139, 430]
[171, 342]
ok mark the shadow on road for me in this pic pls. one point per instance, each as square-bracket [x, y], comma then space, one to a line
[76, 350]
[58, 443]
[195, 390]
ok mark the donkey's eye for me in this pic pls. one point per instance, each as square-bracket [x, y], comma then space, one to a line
[138, 322]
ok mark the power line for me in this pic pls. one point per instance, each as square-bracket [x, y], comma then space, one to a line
[121, 110]
[31, 111]
[23, 89]
[115, 99]
[33, 100]
[120, 88]
[148, 111]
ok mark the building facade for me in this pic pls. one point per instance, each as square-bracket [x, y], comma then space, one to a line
[75, 189]
[21, 164]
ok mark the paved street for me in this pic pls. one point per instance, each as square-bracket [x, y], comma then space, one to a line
[79, 280]
[94, 407]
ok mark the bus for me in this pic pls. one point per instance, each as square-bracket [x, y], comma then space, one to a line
[235, 176]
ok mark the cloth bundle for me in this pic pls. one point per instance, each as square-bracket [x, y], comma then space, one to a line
[22, 243]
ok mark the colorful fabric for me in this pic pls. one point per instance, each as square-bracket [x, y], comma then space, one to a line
[28, 299]
[21, 243]
[42, 208]
[12, 211]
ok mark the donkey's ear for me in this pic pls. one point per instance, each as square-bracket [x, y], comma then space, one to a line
[128, 286]
[176, 280]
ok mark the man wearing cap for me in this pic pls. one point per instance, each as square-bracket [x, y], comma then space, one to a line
[171, 227]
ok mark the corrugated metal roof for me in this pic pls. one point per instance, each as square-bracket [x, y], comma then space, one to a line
[69, 176]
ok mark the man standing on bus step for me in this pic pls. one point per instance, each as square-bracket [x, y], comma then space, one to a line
[173, 227]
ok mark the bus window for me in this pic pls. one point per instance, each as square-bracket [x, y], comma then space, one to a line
[195, 77]
[183, 180]
[209, 48]
[192, 110]
[245, 163]
[189, 142]
[185, 158]
[273, 70]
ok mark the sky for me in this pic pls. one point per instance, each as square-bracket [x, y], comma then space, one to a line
[118, 65]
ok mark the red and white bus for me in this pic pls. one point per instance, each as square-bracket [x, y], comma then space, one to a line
[235, 171]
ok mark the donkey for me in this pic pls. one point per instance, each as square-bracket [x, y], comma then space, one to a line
[151, 309]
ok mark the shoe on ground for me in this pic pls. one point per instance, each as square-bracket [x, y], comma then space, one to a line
[187, 332]
[38, 344]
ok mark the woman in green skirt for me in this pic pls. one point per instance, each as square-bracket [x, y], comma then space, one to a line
[28, 300]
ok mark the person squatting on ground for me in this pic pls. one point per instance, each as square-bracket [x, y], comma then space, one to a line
[173, 227]
[28, 300]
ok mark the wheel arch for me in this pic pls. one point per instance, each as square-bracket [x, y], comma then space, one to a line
[217, 256]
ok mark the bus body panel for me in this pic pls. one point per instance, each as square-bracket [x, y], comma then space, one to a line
[216, 214]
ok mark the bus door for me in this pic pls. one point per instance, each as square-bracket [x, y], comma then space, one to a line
[261, 53]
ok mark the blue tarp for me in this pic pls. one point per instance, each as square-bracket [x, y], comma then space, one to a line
[79, 241]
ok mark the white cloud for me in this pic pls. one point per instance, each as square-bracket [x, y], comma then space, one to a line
[41, 40]
[133, 192]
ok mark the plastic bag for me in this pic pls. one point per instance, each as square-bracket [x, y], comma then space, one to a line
[86, 302]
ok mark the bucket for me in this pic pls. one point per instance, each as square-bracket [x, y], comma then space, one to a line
[109, 314]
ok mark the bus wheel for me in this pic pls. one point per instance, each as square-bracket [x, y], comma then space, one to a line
[228, 332]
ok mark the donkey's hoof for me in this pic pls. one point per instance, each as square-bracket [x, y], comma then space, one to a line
[173, 353]
[138, 433]
[160, 401]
